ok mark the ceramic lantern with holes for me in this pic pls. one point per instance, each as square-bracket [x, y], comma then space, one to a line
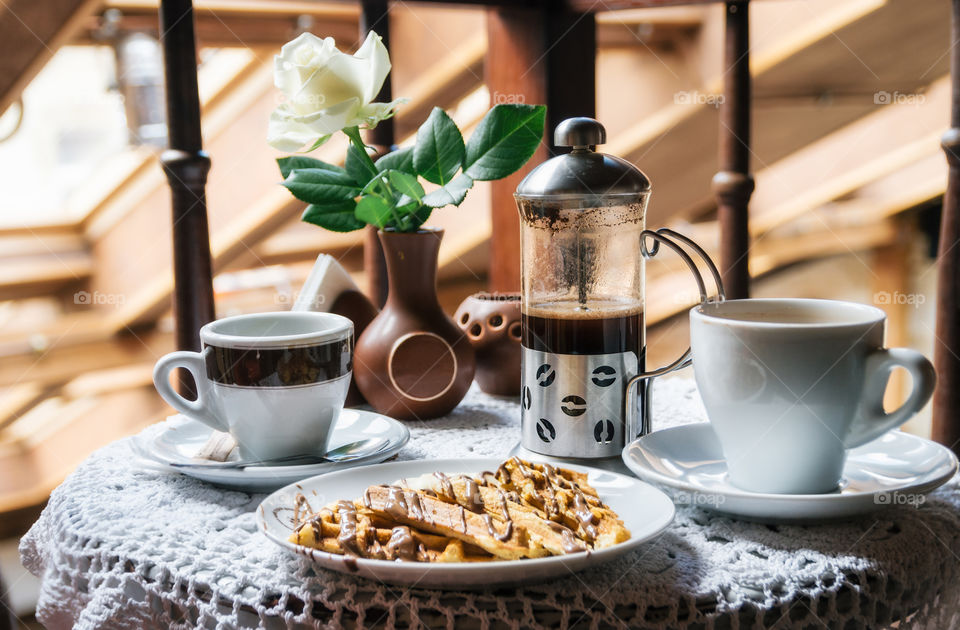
[491, 322]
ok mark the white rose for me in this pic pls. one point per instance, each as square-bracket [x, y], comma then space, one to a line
[326, 90]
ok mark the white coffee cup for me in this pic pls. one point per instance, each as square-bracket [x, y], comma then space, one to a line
[275, 381]
[790, 384]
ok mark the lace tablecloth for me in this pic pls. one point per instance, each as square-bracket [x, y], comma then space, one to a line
[123, 547]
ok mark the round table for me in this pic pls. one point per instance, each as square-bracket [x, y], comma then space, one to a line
[123, 546]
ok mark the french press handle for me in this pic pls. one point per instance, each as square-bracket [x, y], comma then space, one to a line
[669, 238]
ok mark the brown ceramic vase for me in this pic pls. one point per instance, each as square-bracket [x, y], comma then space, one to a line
[412, 361]
[491, 322]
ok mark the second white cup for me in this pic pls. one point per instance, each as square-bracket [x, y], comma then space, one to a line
[790, 384]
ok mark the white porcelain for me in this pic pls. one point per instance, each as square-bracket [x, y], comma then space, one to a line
[268, 418]
[791, 384]
[895, 469]
[328, 280]
[179, 438]
[645, 511]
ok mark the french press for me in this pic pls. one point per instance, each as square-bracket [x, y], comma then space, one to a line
[584, 385]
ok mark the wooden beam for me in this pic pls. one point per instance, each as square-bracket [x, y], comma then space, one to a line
[375, 16]
[42, 447]
[535, 57]
[891, 277]
[806, 85]
[515, 39]
[946, 397]
[875, 147]
[186, 166]
[671, 292]
[63, 361]
[733, 184]
[30, 33]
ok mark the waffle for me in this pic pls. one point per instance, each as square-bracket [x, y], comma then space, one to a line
[521, 510]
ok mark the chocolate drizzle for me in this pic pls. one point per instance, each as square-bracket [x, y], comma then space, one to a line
[402, 545]
[446, 488]
[396, 503]
[348, 527]
[301, 508]
[585, 515]
[472, 494]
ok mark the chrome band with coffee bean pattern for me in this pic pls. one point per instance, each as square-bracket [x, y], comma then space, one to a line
[567, 415]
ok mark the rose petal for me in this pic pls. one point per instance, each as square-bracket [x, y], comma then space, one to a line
[287, 129]
[373, 113]
[377, 65]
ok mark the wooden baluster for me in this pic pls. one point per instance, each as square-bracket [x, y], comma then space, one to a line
[733, 184]
[534, 55]
[946, 398]
[375, 16]
[186, 166]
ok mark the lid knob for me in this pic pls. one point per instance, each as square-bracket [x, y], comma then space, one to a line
[579, 132]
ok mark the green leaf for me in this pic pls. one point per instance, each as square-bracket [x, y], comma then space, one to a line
[399, 160]
[293, 162]
[377, 185]
[453, 193]
[439, 151]
[419, 217]
[320, 186]
[406, 184]
[374, 210]
[504, 140]
[359, 166]
[337, 217]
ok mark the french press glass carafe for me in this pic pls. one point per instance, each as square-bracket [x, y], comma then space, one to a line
[583, 242]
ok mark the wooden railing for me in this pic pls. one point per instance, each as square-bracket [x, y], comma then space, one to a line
[546, 51]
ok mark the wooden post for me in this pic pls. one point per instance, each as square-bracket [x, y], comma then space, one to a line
[375, 16]
[946, 397]
[186, 167]
[733, 184]
[891, 266]
[534, 55]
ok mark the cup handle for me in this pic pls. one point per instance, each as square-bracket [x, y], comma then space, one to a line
[638, 427]
[197, 409]
[872, 421]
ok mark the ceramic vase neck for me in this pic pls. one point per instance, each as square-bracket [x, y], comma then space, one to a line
[412, 267]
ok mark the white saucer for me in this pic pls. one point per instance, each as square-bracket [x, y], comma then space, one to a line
[895, 469]
[179, 438]
[645, 511]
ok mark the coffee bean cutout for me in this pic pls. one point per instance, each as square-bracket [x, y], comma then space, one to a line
[526, 397]
[545, 430]
[573, 405]
[545, 375]
[604, 376]
[603, 432]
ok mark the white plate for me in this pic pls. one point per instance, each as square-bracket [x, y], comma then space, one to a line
[179, 438]
[645, 511]
[897, 468]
